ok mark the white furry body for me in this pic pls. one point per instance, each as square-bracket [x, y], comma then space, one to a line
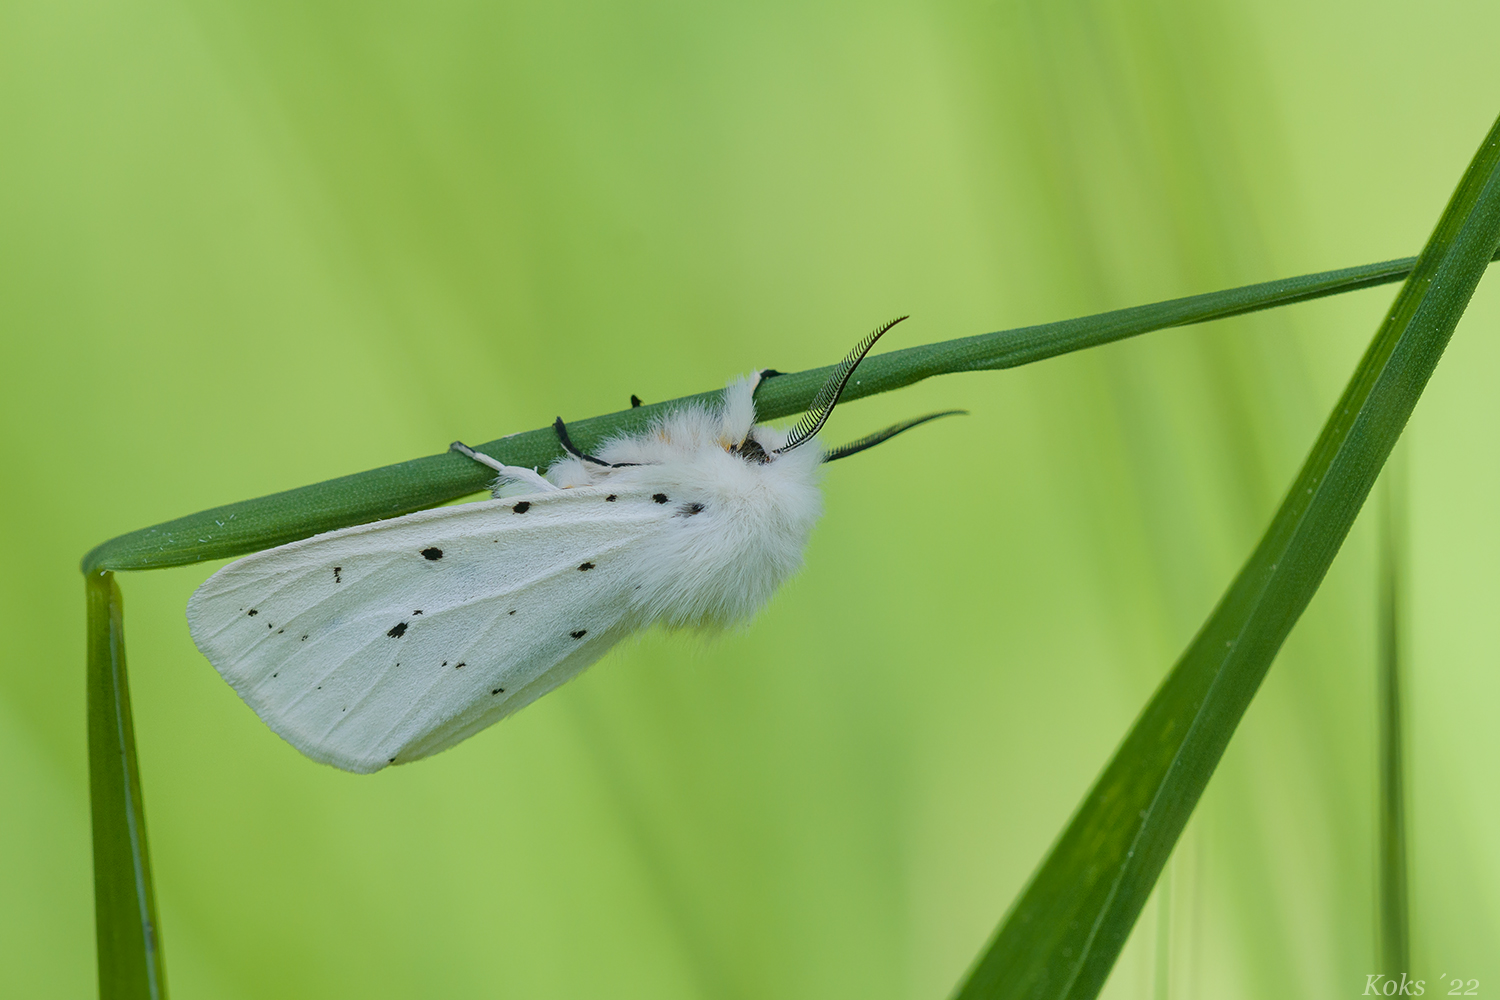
[387, 642]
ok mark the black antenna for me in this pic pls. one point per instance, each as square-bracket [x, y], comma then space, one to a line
[871, 440]
[822, 405]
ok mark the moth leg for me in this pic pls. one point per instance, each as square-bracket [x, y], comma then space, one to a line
[516, 473]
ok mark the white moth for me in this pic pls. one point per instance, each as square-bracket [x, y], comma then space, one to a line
[387, 642]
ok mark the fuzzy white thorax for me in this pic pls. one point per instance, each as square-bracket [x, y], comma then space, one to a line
[741, 524]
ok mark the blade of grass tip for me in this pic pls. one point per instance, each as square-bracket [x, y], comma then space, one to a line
[426, 482]
[130, 959]
[1395, 940]
[1063, 934]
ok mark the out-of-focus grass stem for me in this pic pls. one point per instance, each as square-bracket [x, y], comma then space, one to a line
[1394, 907]
[1162, 970]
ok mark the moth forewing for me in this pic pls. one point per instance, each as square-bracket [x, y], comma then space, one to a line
[389, 641]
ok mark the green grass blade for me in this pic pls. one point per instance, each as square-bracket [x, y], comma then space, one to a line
[1062, 936]
[1395, 938]
[130, 959]
[426, 482]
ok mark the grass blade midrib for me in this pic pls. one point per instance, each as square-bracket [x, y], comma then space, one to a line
[392, 490]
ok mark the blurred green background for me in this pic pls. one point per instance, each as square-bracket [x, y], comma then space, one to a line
[246, 246]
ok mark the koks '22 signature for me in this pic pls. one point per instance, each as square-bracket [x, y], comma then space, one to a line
[1393, 987]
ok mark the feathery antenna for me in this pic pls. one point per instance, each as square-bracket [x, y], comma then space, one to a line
[822, 406]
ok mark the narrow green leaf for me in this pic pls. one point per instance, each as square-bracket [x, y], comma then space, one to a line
[426, 482]
[1063, 934]
[1395, 938]
[130, 960]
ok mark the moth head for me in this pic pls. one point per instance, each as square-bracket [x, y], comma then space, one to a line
[754, 452]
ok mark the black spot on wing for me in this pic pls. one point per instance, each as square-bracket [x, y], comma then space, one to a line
[497, 690]
[611, 498]
[580, 633]
[522, 507]
[433, 554]
[660, 497]
[336, 571]
[634, 401]
[251, 613]
[585, 566]
[689, 509]
[458, 666]
[512, 611]
[416, 612]
[397, 630]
